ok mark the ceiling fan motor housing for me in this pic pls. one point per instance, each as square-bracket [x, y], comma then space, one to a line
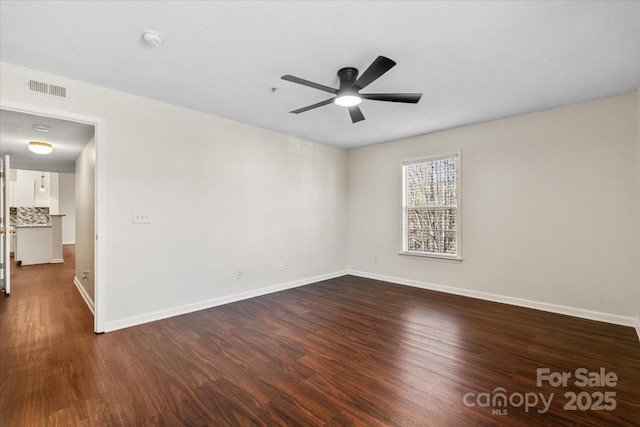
[347, 76]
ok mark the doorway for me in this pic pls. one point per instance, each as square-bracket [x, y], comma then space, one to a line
[76, 144]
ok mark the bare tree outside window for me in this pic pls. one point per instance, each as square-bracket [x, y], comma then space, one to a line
[431, 206]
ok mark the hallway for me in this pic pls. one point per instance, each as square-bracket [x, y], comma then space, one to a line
[43, 323]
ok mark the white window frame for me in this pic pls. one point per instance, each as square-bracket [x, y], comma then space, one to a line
[457, 257]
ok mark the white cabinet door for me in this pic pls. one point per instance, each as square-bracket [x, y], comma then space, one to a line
[26, 189]
[23, 189]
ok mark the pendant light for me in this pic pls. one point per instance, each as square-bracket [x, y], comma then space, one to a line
[42, 186]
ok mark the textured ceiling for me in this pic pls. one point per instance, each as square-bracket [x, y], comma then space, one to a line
[473, 61]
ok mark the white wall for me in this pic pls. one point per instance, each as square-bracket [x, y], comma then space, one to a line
[221, 196]
[548, 207]
[638, 211]
[85, 218]
[224, 196]
[67, 206]
[54, 192]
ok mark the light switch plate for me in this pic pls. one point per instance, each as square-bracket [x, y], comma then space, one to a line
[140, 217]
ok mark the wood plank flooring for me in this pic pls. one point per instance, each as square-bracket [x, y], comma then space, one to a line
[348, 351]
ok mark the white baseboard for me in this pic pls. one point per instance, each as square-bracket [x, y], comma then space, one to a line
[85, 296]
[553, 308]
[202, 305]
[57, 261]
[638, 328]
[69, 243]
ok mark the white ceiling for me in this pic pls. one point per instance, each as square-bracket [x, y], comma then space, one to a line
[473, 61]
[67, 138]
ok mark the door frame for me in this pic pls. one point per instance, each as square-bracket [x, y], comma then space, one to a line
[5, 226]
[100, 242]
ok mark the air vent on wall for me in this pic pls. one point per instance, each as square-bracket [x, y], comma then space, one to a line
[35, 86]
[58, 91]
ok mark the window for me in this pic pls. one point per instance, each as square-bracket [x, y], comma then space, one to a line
[430, 191]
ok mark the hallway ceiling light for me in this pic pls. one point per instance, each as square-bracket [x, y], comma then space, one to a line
[40, 147]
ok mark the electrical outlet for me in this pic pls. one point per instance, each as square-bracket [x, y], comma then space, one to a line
[140, 217]
[239, 274]
[281, 266]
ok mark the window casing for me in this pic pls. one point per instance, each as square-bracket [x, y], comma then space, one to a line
[431, 207]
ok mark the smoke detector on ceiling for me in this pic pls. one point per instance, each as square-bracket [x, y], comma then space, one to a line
[152, 38]
[41, 128]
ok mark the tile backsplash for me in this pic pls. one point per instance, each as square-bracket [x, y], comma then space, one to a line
[28, 216]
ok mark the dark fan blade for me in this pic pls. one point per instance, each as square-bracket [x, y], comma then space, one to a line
[308, 83]
[356, 114]
[380, 66]
[311, 107]
[411, 98]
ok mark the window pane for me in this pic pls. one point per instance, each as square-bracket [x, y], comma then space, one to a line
[432, 230]
[432, 183]
[439, 242]
[431, 206]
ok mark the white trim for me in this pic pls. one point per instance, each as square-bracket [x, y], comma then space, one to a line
[69, 243]
[84, 294]
[57, 261]
[430, 158]
[99, 225]
[433, 255]
[100, 246]
[638, 328]
[537, 305]
[203, 305]
[458, 156]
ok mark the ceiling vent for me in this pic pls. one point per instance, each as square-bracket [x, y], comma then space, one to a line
[43, 88]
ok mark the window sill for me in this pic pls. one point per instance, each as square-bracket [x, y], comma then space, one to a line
[435, 257]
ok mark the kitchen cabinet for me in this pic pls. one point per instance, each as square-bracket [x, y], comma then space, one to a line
[39, 244]
[33, 244]
[56, 238]
[22, 191]
[25, 190]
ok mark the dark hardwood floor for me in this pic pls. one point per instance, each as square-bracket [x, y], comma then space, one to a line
[347, 351]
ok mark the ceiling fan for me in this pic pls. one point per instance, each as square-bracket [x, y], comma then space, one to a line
[348, 94]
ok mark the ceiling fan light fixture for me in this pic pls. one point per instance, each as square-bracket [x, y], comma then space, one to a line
[39, 147]
[351, 83]
[348, 100]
